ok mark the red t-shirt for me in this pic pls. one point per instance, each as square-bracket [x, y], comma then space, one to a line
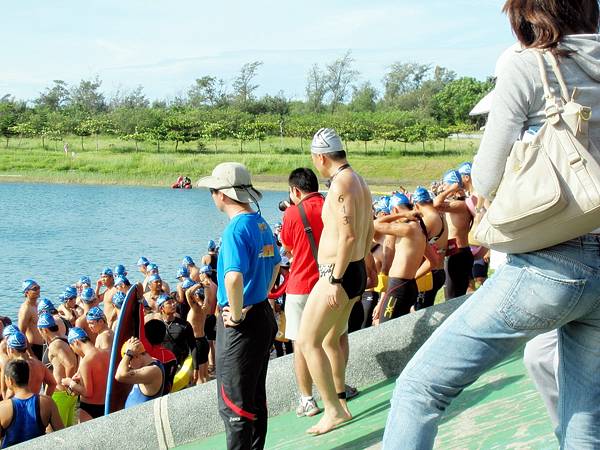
[304, 272]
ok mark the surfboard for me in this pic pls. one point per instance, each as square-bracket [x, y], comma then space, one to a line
[130, 323]
[183, 376]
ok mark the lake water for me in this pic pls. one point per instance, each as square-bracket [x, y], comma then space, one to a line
[57, 233]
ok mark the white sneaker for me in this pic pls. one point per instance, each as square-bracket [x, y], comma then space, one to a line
[307, 409]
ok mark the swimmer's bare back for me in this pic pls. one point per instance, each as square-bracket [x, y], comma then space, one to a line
[348, 204]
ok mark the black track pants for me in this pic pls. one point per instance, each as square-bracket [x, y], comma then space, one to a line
[241, 360]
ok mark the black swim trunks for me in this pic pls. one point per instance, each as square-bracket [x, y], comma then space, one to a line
[200, 352]
[354, 279]
[93, 410]
[459, 271]
[401, 294]
[210, 327]
[38, 350]
[427, 299]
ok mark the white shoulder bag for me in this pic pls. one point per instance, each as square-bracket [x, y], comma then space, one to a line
[560, 172]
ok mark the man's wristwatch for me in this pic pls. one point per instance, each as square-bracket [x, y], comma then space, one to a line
[334, 280]
[237, 322]
[129, 353]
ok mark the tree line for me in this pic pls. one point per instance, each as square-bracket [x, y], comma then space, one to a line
[415, 103]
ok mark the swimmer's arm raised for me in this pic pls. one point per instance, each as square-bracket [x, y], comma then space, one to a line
[395, 229]
[344, 214]
[188, 294]
[143, 375]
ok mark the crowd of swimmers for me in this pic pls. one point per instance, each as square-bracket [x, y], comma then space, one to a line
[61, 350]
[54, 360]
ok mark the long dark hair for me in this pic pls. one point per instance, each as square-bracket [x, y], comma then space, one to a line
[543, 23]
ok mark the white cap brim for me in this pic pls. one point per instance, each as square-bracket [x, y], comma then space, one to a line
[483, 106]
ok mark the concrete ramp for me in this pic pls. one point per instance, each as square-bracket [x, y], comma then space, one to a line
[377, 355]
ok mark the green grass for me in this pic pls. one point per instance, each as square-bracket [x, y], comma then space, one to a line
[112, 161]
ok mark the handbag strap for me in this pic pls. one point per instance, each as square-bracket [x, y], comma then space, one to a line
[553, 105]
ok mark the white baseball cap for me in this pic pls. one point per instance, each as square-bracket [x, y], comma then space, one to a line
[233, 179]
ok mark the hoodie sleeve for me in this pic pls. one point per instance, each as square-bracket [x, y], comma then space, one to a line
[513, 97]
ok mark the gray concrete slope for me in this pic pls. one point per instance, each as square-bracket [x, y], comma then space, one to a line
[376, 354]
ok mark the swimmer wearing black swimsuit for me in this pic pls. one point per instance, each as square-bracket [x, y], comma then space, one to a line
[354, 280]
[94, 411]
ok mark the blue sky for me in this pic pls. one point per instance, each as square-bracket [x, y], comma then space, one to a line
[165, 45]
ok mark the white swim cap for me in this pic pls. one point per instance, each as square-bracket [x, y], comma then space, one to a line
[326, 140]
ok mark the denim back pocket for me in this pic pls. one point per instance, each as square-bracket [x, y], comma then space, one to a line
[538, 301]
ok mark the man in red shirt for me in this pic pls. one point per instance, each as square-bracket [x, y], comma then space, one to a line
[304, 272]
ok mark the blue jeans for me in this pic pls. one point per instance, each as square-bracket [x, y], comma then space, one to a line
[532, 293]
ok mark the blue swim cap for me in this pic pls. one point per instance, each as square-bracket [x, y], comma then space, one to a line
[182, 272]
[453, 177]
[205, 269]
[382, 205]
[162, 298]
[212, 245]
[152, 267]
[121, 280]
[118, 299]
[187, 283]
[399, 199]
[28, 284]
[85, 280]
[10, 330]
[154, 277]
[107, 271]
[70, 293]
[88, 295]
[17, 341]
[95, 313]
[143, 261]
[422, 195]
[76, 334]
[465, 168]
[46, 321]
[45, 305]
[120, 270]
[187, 260]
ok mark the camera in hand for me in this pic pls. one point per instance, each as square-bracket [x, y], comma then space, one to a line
[285, 204]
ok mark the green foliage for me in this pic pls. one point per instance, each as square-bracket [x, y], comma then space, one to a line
[453, 103]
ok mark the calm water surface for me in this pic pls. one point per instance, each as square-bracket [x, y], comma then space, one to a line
[57, 233]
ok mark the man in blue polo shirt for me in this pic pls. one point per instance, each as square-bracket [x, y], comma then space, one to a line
[247, 268]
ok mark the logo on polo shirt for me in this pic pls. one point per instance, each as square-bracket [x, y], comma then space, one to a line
[268, 251]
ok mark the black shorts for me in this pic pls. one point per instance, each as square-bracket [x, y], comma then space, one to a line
[459, 271]
[480, 269]
[38, 350]
[93, 410]
[200, 352]
[354, 278]
[401, 294]
[210, 327]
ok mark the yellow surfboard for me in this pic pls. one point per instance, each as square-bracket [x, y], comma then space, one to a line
[184, 375]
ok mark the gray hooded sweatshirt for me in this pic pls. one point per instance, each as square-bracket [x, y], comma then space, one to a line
[519, 103]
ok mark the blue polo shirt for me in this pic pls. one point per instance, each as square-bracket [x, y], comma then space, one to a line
[248, 247]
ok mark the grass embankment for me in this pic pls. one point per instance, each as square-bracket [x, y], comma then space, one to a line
[111, 161]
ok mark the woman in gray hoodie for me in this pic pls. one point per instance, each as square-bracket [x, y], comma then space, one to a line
[533, 293]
